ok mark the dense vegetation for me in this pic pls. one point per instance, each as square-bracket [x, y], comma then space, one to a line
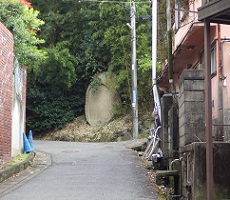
[23, 23]
[80, 39]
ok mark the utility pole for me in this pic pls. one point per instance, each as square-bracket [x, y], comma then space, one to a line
[134, 70]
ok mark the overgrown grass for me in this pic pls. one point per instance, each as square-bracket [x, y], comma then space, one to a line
[19, 158]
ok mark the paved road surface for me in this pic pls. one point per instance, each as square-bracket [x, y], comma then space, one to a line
[87, 171]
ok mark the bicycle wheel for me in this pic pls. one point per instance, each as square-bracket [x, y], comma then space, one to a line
[148, 149]
[152, 145]
[152, 149]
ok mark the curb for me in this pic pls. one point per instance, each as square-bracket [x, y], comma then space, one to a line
[137, 144]
[14, 169]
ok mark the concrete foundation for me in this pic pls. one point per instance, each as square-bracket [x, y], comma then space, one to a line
[194, 171]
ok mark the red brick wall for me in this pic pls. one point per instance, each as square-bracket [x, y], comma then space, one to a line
[6, 87]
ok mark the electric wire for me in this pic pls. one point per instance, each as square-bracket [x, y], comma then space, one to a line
[113, 2]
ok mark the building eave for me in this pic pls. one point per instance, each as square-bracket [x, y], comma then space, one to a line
[217, 11]
[191, 45]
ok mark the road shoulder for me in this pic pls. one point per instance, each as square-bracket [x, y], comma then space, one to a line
[40, 162]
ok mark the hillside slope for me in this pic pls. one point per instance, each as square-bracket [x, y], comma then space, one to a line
[80, 131]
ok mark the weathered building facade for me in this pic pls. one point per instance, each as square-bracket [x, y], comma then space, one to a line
[185, 146]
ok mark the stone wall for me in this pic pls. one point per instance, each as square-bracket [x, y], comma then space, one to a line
[191, 107]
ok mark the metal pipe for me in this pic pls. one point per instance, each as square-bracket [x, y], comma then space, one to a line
[208, 111]
[169, 30]
[220, 80]
[154, 57]
[176, 160]
[220, 75]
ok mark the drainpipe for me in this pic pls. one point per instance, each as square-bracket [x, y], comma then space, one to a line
[220, 85]
[169, 31]
[154, 57]
[220, 74]
[208, 111]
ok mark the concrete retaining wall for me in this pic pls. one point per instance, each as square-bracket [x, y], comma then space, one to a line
[191, 107]
[194, 171]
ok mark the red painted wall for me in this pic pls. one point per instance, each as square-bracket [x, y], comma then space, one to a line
[6, 91]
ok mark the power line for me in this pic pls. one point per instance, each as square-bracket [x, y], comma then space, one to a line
[114, 2]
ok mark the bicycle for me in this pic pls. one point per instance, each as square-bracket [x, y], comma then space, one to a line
[151, 147]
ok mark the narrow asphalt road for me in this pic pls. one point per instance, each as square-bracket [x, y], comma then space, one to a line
[87, 171]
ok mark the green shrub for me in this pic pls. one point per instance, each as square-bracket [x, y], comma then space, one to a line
[47, 110]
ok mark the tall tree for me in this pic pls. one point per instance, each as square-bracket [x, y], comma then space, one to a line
[24, 23]
[82, 39]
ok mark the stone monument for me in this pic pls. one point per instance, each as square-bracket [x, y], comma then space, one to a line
[101, 98]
